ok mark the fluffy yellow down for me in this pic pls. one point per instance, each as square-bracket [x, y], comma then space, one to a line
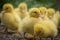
[22, 10]
[57, 15]
[59, 18]
[10, 18]
[52, 16]
[45, 29]
[29, 21]
[43, 12]
[0, 16]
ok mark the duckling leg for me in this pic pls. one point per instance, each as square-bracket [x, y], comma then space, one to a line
[6, 30]
[16, 34]
[52, 38]
[42, 38]
[36, 37]
[29, 36]
[3, 31]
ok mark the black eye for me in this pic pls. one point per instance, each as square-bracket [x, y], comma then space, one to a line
[35, 12]
[40, 11]
[6, 8]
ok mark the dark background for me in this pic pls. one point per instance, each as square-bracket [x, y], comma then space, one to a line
[33, 3]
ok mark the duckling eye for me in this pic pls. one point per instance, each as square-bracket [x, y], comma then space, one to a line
[40, 11]
[35, 12]
[6, 8]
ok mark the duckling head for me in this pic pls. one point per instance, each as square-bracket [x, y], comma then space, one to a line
[8, 7]
[34, 12]
[23, 7]
[50, 13]
[42, 11]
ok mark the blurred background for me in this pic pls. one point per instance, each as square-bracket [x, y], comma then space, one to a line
[33, 3]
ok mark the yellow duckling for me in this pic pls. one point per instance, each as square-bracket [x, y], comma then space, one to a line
[22, 10]
[11, 19]
[51, 15]
[57, 15]
[43, 12]
[59, 18]
[0, 16]
[29, 21]
[45, 29]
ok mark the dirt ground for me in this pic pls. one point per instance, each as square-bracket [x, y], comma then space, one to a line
[8, 36]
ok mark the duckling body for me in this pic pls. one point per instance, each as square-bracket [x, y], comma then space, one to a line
[11, 19]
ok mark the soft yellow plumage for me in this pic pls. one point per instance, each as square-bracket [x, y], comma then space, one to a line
[0, 16]
[29, 21]
[45, 29]
[43, 12]
[59, 18]
[10, 18]
[57, 15]
[22, 10]
[52, 16]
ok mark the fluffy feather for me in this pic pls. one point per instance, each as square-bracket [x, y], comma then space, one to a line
[52, 16]
[22, 10]
[29, 21]
[44, 30]
[57, 15]
[10, 18]
[43, 12]
[0, 16]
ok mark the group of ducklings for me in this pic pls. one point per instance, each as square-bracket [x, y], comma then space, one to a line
[40, 22]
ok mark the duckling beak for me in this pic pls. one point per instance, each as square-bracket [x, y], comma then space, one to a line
[3, 11]
[23, 11]
[50, 16]
[41, 15]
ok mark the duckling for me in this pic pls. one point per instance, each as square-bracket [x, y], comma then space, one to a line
[51, 15]
[22, 10]
[29, 21]
[43, 12]
[57, 15]
[43, 30]
[59, 18]
[11, 20]
[0, 17]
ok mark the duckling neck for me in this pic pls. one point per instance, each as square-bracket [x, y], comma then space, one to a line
[23, 12]
[9, 11]
[34, 17]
